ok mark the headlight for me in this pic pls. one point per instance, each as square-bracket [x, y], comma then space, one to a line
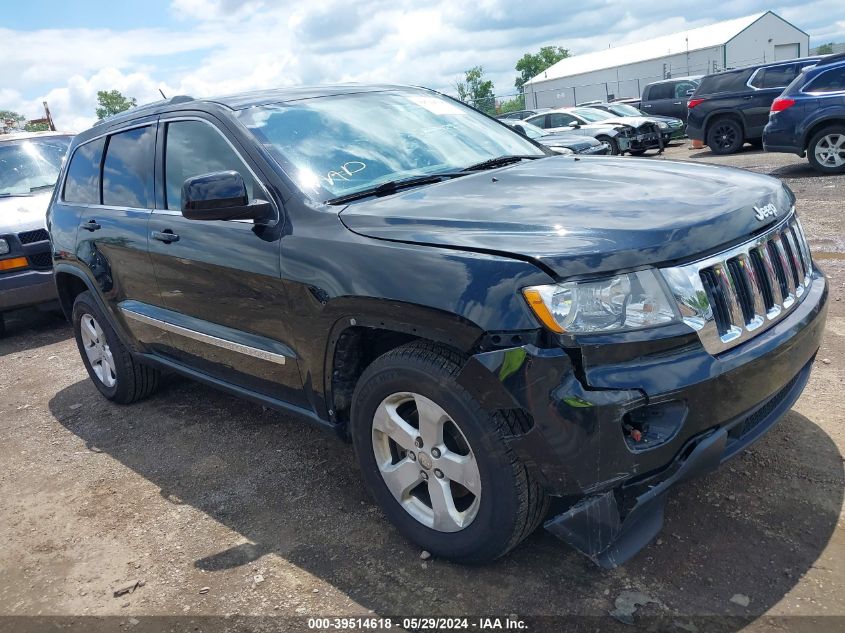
[4, 246]
[631, 301]
[663, 125]
[562, 150]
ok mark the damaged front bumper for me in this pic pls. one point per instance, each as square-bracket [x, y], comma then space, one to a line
[618, 421]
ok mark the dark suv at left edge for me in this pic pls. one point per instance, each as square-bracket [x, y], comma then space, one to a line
[490, 324]
[808, 119]
[29, 166]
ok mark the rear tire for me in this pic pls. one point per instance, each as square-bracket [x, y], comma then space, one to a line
[826, 150]
[115, 373]
[501, 504]
[614, 145]
[724, 136]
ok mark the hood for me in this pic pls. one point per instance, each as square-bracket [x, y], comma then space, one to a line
[580, 216]
[24, 213]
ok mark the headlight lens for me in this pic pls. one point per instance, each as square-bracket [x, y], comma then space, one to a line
[631, 301]
[662, 125]
[4, 246]
[562, 150]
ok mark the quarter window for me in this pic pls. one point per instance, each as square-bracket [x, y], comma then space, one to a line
[128, 169]
[775, 76]
[82, 184]
[829, 81]
[195, 148]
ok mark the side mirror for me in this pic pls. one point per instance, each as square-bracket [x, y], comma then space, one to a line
[575, 125]
[690, 92]
[221, 195]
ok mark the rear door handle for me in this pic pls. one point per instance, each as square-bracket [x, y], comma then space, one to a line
[167, 236]
[678, 102]
[91, 225]
[748, 97]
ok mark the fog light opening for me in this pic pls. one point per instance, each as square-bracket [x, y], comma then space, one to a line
[653, 425]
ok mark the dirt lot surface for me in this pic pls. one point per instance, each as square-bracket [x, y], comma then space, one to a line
[221, 508]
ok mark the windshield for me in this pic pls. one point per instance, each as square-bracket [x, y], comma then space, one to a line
[28, 165]
[338, 145]
[591, 114]
[623, 109]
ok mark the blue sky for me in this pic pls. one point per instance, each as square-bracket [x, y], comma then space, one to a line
[64, 51]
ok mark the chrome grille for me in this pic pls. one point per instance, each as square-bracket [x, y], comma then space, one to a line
[732, 296]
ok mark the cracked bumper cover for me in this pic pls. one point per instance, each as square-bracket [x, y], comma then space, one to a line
[576, 443]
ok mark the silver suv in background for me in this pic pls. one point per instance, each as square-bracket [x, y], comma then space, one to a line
[30, 163]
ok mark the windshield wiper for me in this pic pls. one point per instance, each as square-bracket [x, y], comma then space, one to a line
[500, 161]
[392, 186]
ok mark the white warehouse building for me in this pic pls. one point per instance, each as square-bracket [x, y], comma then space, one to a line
[623, 71]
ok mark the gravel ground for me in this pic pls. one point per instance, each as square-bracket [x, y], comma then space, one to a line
[210, 506]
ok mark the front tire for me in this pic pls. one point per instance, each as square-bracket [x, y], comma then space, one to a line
[115, 373]
[437, 462]
[826, 150]
[612, 142]
[724, 136]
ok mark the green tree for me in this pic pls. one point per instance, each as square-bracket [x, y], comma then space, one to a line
[512, 105]
[825, 49]
[36, 127]
[530, 65]
[110, 102]
[10, 120]
[476, 90]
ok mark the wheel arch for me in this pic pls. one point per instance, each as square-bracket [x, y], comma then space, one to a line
[724, 114]
[70, 283]
[358, 338]
[818, 124]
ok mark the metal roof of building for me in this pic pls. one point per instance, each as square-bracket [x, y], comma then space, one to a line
[691, 40]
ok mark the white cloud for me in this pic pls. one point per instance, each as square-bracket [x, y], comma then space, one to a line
[208, 47]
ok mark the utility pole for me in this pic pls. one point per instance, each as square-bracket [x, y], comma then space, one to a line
[49, 118]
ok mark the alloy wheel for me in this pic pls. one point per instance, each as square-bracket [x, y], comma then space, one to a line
[830, 150]
[426, 462]
[97, 350]
[725, 136]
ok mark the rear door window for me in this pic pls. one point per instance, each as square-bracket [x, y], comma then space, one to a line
[82, 184]
[559, 119]
[682, 87]
[194, 148]
[128, 169]
[661, 91]
[832, 80]
[539, 121]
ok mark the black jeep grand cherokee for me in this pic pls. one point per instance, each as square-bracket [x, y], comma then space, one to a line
[490, 325]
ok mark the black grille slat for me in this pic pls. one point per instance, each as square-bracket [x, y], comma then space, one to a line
[30, 237]
[742, 288]
[40, 260]
[762, 279]
[718, 302]
[778, 266]
[790, 260]
[799, 255]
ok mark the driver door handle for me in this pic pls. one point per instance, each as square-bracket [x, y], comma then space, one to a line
[91, 225]
[167, 236]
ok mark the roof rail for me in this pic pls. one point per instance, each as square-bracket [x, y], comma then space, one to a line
[831, 59]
